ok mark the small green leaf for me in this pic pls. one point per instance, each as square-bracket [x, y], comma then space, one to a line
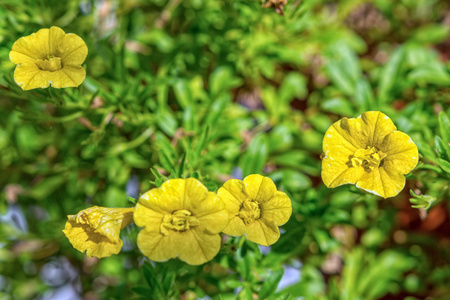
[152, 279]
[442, 149]
[364, 98]
[46, 187]
[340, 106]
[270, 285]
[168, 280]
[143, 291]
[444, 127]
[183, 92]
[131, 199]
[245, 294]
[445, 165]
[223, 79]
[390, 74]
[421, 201]
[254, 160]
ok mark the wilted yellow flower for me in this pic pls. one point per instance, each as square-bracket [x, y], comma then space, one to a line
[96, 230]
[368, 151]
[49, 56]
[255, 208]
[180, 219]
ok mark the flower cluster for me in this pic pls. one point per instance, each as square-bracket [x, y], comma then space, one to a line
[183, 219]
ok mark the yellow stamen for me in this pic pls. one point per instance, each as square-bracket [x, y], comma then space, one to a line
[250, 211]
[369, 158]
[50, 64]
[180, 220]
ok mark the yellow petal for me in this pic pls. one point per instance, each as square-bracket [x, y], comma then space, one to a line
[233, 194]
[197, 248]
[259, 188]
[211, 213]
[96, 230]
[148, 218]
[85, 240]
[235, 227]
[29, 76]
[344, 134]
[263, 232]
[159, 247]
[74, 50]
[382, 183]
[195, 194]
[341, 141]
[68, 76]
[70, 47]
[29, 48]
[335, 174]
[166, 199]
[55, 39]
[278, 209]
[376, 126]
[402, 155]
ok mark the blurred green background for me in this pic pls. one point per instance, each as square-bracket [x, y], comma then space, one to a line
[219, 89]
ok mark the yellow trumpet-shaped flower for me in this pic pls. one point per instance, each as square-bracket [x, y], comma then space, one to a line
[368, 151]
[180, 219]
[96, 230]
[49, 56]
[255, 208]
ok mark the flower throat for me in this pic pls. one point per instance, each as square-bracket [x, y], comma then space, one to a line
[369, 158]
[51, 64]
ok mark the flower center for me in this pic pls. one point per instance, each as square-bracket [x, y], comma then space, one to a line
[179, 220]
[369, 158]
[250, 211]
[50, 64]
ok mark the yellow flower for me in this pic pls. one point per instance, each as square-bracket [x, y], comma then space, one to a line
[180, 219]
[255, 208]
[96, 230]
[49, 56]
[368, 151]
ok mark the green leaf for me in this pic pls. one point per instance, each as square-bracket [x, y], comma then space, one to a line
[442, 148]
[364, 98]
[47, 186]
[444, 127]
[168, 281]
[389, 75]
[431, 73]
[131, 199]
[143, 291]
[270, 285]
[340, 106]
[246, 293]
[431, 33]
[216, 110]
[243, 264]
[223, 79]
[445, 165]
[202, 142]
[293, 86]
[257, 153]
[183, 92]
[152, 279]
[343, 67]
[166, 122]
